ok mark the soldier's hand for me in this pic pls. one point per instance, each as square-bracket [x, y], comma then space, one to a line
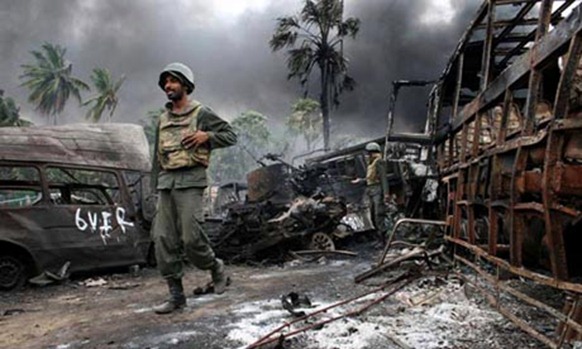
[195, 139]
[355, 181]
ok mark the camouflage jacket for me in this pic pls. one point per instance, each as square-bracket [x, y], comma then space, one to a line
[376, 174]
[220, 135]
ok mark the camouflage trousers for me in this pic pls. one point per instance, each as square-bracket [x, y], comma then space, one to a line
[377, 210]
[178, 232]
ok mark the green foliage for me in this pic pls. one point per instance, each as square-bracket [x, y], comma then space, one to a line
[314, 38]
[50, 80]
[254, 140]
[306, 120]
[251, 128]
[107, 94]
[10, 113]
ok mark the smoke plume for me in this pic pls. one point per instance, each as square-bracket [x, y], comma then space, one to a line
[229, 53]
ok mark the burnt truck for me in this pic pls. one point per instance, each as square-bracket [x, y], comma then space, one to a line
[315, 205]
[76, 196]
[505, 123]
[280, 207]
[411, 179]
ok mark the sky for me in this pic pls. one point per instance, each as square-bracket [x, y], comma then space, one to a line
[225, 42]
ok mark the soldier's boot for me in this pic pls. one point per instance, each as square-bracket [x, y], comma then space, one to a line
[176, 301]
[219, 276]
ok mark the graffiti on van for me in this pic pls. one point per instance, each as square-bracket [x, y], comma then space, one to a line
[101, 222]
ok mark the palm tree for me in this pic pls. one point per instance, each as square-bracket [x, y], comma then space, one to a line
[10, 113]
[306, 120]
[107, 94]
[315, 38]
[50, 80]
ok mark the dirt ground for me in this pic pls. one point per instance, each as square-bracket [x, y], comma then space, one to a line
[114, 311]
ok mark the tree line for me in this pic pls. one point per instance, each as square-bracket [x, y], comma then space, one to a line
[313, 40]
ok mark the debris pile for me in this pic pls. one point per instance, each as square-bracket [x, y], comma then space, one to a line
[415, 312]
[284, 208]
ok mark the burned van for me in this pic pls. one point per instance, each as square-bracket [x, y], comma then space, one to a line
[75, 195]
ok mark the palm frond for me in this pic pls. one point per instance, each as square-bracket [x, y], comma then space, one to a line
[106, 98]
[282, 39]
[50, 80]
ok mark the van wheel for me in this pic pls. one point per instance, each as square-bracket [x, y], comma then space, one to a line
[12, 272]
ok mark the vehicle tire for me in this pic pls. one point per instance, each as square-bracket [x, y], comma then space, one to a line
[321, 241]
[13, 272]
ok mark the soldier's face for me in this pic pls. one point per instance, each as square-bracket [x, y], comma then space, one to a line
[173, 88]
[370, 156]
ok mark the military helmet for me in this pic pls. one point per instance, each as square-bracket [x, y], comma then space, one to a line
[181, 72]
[373, 147]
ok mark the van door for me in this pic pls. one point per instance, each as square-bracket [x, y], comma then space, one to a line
[91, 219]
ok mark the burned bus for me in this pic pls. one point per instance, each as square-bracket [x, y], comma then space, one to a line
[505, 120]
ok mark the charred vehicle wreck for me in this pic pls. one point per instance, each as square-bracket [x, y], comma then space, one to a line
[315, 205]
[410, 177]
[75, 195]
[505, 127]
[280, 207]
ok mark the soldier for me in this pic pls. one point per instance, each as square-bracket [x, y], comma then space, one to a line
[186, 134]
[377, 190]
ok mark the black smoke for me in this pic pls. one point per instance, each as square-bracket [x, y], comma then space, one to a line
[234, 66]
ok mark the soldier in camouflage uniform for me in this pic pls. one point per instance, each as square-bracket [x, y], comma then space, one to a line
[377, 190]
[186, 134]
